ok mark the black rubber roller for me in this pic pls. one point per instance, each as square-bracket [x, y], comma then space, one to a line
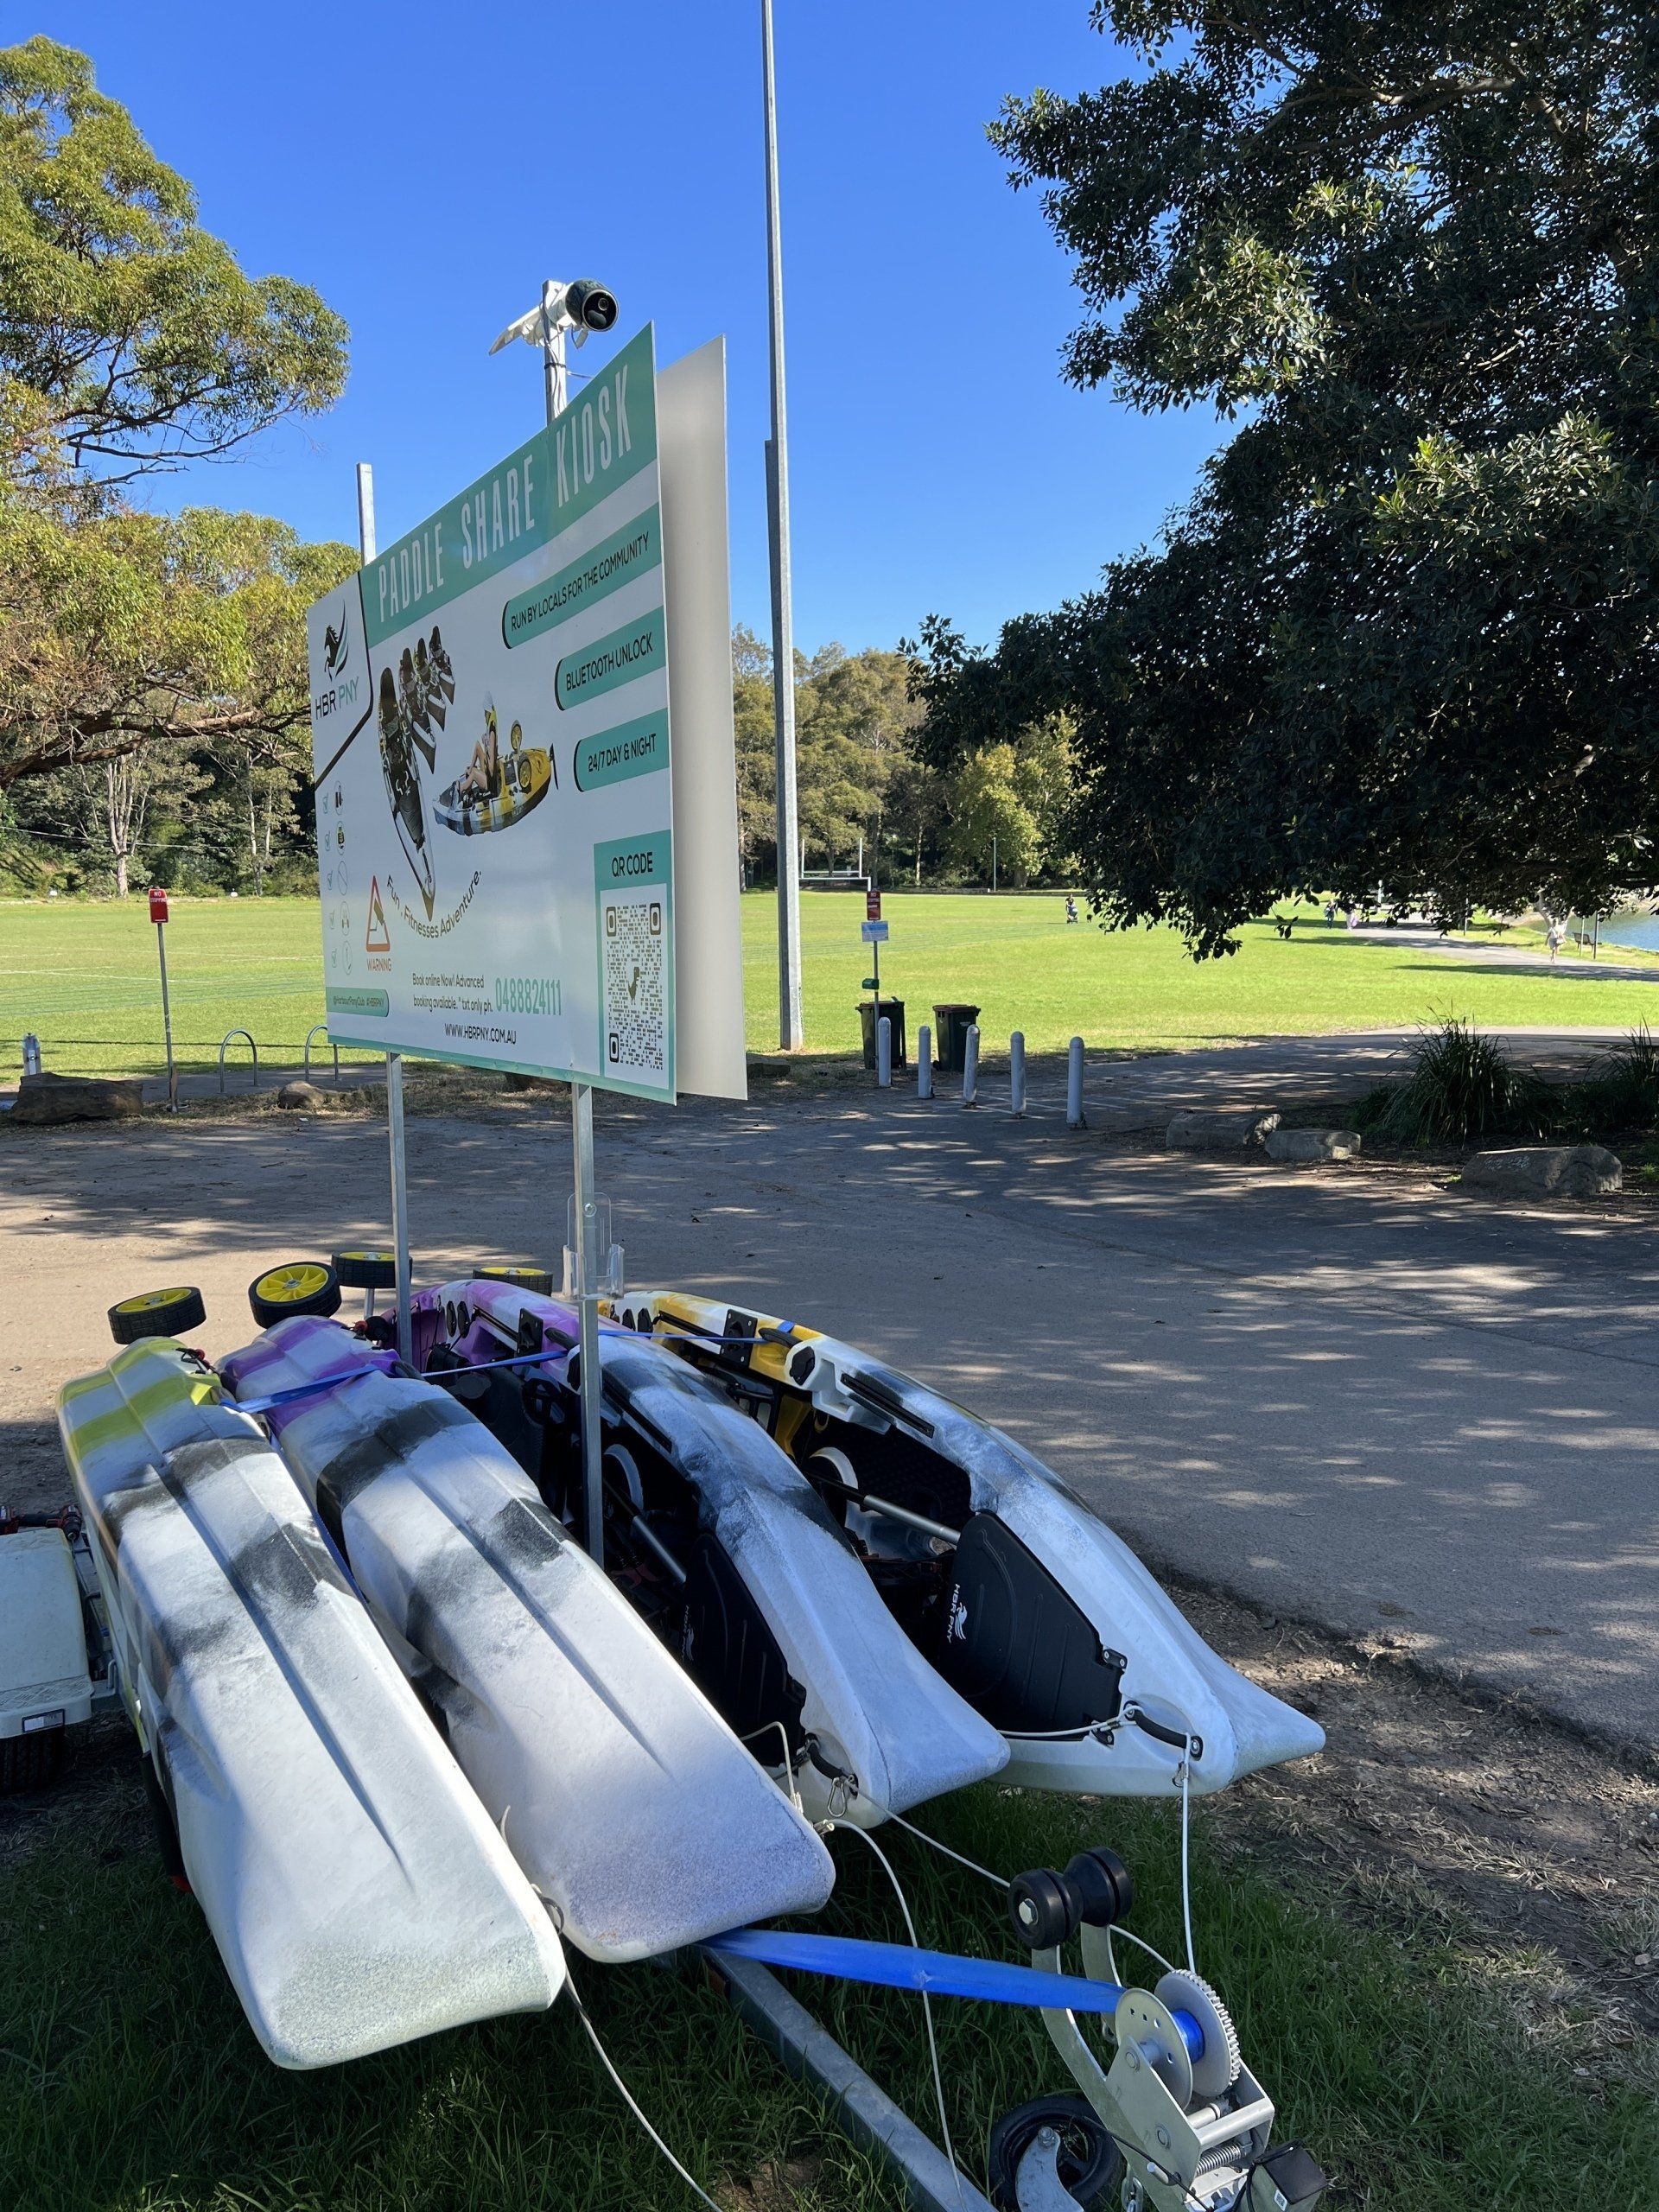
[1102, 1886]
[1042, 1908]
[1048, 1909]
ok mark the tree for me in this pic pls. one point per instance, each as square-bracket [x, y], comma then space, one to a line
[129, 338]
[993, 832]
[1408, 629]
[126, 629]
[130, 341]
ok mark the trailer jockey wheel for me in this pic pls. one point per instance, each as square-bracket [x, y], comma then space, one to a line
[1090, 2164]
[358, 1269]
[297, 1286]
[156, 1313]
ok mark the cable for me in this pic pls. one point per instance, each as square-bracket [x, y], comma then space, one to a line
[627, 2096]
[922, 1835]
[1186, 1880]
[927, 2007]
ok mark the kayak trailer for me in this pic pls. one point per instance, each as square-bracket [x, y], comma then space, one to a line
[214, 1511]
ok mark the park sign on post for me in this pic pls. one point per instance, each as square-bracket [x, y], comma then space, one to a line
[497, 812]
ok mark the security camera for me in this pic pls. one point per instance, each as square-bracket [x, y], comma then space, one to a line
[589, 306]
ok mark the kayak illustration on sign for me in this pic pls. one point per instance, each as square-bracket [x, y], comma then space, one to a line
[493, 792]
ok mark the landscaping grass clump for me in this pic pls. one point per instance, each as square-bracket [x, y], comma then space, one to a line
[1462, 1088]
[129, 2079]
[1623, 1091]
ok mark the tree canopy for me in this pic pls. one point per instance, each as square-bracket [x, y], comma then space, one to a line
[130, 340]
[141, 654]
[1407, 630]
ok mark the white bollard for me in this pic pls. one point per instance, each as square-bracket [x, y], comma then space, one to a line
[924, 1062]
[883, 1054]
[1017, 1071]
[970, 1066]
[1074, 1119]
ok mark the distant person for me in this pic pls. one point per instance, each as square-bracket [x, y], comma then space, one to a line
[1557, 938]
[1329, 912]
[1071, 908]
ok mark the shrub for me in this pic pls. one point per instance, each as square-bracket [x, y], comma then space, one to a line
[1461, 1088]
[1623, 1092]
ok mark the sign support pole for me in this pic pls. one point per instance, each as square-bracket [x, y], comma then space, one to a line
[404, 1291]
[792, 1028]
[557, 389]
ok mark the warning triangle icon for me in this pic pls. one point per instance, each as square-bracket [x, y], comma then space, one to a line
[376, 938]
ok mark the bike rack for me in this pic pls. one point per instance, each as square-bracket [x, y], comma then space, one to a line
[317, 1028]
[252, 1047]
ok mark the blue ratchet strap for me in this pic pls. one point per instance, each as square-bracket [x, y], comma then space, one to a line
[939, 1974]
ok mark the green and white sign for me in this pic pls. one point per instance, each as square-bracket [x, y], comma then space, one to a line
[492, 747]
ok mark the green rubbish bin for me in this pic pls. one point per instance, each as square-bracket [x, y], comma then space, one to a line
[870, 1011]
[950, 1037]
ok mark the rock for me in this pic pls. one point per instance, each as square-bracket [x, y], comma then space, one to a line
[1568, 1171]
[1312, 1144]
[1222, 1129]
[78, 1098]
[299, 1094]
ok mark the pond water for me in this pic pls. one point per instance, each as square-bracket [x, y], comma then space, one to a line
[1640, 931]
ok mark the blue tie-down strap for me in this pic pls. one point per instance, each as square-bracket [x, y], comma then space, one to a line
[938, 1973]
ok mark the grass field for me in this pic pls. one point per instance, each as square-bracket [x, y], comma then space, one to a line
[129, 2079]
[83, 977]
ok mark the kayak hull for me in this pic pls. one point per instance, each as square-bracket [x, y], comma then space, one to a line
[1043, 1619]
[769, 1568]
[622, 1795]
[357, 1892]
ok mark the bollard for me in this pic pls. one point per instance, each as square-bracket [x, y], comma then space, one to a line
[1017, 1071]
[1074, 1085]
[924, 1062]
[883, 1054]
[970, 1066]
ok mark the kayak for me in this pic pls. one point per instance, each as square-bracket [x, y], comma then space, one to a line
[725, 1548]
[625, 1799]
[1022, 1597]
[526, 778]
[356, 1890]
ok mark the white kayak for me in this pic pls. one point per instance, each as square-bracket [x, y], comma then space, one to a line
[622, 1793]
[1024, 1600]
[728, 1547]
[358, 1893]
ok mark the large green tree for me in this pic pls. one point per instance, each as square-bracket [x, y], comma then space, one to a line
[1407, 630]
[132, 342]
[131, 339]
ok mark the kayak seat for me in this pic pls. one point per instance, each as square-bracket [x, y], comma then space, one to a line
[1013, 1643]
[732, 1654]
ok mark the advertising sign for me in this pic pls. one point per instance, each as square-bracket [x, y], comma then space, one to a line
[491, 738]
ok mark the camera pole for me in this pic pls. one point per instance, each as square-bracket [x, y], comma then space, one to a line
[405, 1292]
[791, 1030]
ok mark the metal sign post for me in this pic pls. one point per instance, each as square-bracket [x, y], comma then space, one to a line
[405, 1293]
[158, 915]
[791, 1026]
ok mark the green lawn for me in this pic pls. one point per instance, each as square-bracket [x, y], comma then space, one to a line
[83, 976]
[128, 2081]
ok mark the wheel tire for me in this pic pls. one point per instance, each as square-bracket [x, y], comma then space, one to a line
[537, 1280]
[156, 1313]
[1091, 2163]
[29, 1762]
[363, 1270]
[297, 1286]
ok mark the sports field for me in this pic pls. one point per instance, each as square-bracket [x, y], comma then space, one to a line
[83, 977]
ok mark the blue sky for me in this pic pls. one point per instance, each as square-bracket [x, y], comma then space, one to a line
[425, 166]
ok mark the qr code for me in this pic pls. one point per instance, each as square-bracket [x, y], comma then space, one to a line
[636, 1018]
